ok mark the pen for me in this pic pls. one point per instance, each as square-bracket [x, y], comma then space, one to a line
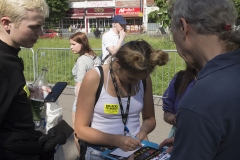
[128, 132]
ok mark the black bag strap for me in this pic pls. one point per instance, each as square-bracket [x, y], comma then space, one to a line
[100, 84]
[144, 84]
[178, 81]
[83, 149]
[102, 62]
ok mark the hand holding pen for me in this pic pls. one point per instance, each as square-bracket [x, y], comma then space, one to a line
[132, 144]
[140, 136]
[127, 132]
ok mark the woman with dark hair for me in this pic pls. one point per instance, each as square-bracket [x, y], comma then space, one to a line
[179, 86]
[122, 98]
[87, 60]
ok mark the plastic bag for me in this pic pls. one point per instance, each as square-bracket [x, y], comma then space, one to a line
[52, 114]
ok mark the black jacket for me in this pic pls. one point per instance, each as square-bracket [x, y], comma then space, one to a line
[17, 130]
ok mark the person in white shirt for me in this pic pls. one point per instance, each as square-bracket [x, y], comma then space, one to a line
[114, 38]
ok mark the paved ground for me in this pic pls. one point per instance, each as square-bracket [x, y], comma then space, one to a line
[66, 100]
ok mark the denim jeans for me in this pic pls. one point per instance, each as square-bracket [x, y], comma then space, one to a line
[93, 154]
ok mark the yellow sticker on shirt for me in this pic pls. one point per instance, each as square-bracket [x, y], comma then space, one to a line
[111, 108]
[25, 88]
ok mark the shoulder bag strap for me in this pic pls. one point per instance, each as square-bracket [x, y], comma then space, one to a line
[106, 58]
[100, 84]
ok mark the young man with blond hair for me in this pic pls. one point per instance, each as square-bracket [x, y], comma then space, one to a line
[20, 26]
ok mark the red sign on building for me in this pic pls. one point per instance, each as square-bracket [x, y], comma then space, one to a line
[126, 11]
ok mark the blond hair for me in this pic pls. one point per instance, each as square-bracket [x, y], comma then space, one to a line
[16, 9]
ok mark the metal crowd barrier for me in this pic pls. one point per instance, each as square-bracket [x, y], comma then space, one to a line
[27, 54]
[60, 61]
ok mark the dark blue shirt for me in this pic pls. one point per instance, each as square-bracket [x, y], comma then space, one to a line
[170, 100]
[208, 121]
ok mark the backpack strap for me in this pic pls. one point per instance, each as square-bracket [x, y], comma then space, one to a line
[144, 84]
[102, 62]
[178, 81]
[100, 84]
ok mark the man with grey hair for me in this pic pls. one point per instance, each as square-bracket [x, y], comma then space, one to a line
[208, 116]
[20, 25]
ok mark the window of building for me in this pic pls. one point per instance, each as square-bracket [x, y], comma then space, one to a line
[76, 23]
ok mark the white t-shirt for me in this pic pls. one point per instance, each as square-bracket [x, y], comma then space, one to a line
[108, 39]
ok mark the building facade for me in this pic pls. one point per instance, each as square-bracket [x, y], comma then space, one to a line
[86, 16]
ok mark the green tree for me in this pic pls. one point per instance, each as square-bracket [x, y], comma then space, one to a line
[57, 10]
[161, 15]
[237, 5]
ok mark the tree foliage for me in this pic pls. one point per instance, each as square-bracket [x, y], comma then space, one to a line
[161, 15]
[237, 5]
[57, 10]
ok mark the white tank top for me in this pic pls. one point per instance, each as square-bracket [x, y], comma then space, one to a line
[112, 123]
